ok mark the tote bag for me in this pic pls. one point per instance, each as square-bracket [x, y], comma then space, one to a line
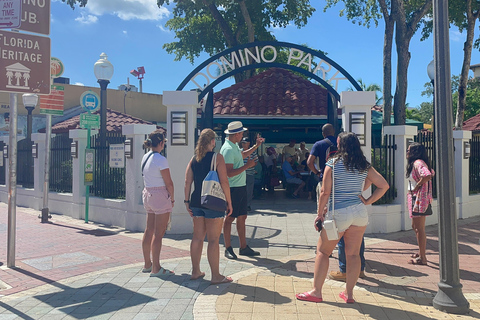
[212, 196]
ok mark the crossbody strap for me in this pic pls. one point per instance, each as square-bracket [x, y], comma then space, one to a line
[143, 164]
[213, 164]
[333, 188]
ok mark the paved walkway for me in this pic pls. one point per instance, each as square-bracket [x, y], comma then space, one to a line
[67, 269]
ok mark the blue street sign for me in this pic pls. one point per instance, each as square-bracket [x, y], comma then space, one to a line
[90, 101]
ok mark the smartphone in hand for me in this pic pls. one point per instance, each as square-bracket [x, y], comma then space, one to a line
[319, 225]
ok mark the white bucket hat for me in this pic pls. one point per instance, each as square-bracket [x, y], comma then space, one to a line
[235, 127]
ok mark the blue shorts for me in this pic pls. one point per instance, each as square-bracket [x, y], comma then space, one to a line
[207, 213]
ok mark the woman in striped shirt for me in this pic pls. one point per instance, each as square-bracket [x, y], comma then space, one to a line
[348, 173]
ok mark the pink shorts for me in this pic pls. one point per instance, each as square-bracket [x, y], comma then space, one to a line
[156, 200]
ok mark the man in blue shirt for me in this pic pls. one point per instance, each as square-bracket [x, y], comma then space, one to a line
[291, 175]
[322, 149]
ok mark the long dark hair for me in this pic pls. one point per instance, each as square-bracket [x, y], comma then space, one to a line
[416, 152]
[350, 152]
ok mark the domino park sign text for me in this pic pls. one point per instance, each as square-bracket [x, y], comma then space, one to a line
[265, 54]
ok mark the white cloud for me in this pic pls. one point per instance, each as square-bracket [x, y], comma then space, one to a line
[124, 31]
[87, 19]
[159, 26]
[457, 36]
[128, 9]
[79, 84]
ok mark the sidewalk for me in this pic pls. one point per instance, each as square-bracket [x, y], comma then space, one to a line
[67, 269]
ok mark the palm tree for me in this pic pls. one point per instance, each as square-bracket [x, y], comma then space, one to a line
[371, 87]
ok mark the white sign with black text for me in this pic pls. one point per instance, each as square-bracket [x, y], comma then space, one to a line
[117, 156]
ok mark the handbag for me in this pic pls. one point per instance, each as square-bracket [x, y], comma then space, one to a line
[274, 181]
[428, 211]
[330, 226]
[212, 196]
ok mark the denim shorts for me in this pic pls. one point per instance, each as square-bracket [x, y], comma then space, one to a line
[356, 215]
[207, 213]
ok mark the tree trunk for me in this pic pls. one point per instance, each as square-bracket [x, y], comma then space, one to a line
[387, 71]
[226, 30]
[251, 35]
[467, 55]
[403, 60]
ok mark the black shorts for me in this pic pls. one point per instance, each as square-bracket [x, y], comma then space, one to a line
[239, 201]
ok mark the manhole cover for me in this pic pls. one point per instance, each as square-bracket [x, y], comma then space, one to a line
[400, 281]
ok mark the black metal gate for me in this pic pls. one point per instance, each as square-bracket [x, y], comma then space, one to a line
[5, 164]
[24, 164]
[61, 171]
[107, 182]
[474, 161]
[428, 140]
[383, 160]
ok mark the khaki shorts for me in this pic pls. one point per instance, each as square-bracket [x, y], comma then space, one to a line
[157, 200]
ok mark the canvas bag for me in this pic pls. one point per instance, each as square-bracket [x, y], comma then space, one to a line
[212, 196]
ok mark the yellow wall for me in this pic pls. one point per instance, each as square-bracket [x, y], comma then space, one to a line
[145, 106]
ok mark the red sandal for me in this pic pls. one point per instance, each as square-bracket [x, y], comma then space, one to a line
[344, 297]
[308, 297]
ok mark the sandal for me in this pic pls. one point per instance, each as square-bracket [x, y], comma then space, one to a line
[306, 296]
[201, 276]
[414, 255]
[344, 297]
[224, 280]
[418, 262]
[162, 272]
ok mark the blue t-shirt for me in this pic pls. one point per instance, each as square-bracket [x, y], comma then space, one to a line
[347, 185]
[286, 166]
[319, 150]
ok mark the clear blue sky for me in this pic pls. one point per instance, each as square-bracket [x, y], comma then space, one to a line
[132, 33]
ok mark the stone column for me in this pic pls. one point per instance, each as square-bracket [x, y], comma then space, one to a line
[403, 136]
[39, 166]
[462, 172]
[135, 217]
[179, 155]
[78, 164]
[356, 109]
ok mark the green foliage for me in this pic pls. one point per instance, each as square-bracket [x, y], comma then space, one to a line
[371, 87]
[72, 3]
[213, 26]
[361, 12]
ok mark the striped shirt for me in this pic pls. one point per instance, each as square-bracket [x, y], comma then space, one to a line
[348, 185]
[250, 171]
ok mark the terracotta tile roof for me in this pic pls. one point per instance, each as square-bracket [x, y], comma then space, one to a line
[472, 124]
[115, 120]
[275, 92]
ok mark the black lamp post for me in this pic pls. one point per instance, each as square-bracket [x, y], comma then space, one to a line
[30, 101]
[103, 70]
[449, 296]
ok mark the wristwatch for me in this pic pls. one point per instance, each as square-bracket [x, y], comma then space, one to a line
[186, 201]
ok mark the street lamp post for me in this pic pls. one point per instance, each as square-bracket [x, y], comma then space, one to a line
[30, 101]
[449, 296]
[431, 75]
[103, 70]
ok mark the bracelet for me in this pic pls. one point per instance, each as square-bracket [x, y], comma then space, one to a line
[186, 201]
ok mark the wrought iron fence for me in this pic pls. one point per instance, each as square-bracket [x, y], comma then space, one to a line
[61, 171]
[427, 138]
[107, 182]
[383, 160]
[474, 179]
[5, 164]
[25, 164]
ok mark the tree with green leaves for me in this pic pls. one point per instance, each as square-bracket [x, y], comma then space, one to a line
[371, 87]
[212, 26]
[406, 15]
[72, 3]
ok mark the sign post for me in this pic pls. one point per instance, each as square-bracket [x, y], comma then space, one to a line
[90, 102]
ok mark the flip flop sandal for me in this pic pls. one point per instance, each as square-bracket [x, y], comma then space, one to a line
[147, 270]
[414, 255]
[344, 297]
[225, 280]
[418, 262]
[199, 277]
[308, 297]
[162, 272]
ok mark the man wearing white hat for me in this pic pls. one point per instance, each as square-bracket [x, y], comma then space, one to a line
[238, 187]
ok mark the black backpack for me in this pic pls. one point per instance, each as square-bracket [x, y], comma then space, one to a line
[331, 150]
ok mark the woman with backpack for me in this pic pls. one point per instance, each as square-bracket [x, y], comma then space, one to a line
[205, 221]
[158, 201]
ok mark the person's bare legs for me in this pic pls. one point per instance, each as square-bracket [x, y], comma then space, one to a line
[324, 249]
[147, 240]
[418, 224]
[241, 230]
[353, 241]
[227, 231]
[214, 229]
[161, 223]
[196, 246]
[300, 187]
